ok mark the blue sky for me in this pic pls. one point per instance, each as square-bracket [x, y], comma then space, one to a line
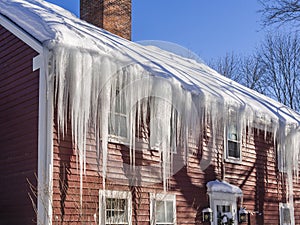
[209, 28]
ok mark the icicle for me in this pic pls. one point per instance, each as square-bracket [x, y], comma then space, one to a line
[89, 87]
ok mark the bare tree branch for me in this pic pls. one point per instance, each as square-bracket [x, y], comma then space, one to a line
[280, 12]
[274, 69]
[228, 66]
[280, 55]
[252, 73]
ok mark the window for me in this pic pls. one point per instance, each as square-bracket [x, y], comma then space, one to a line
[225, 209]
[117, 117]
[163, 209]
[115, 207]
[141, 116]
[285, 212]
[164, 126]
[233, 144]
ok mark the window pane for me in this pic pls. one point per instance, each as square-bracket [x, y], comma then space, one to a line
[118, 125]
[117, 117]
[224, 213]
[233, 137]
[108, 203]
[232, 132]
[160, 211]
[286, 216]
[119, 102]
[164, 212]
[226, 208]
[170, 213]
[219, 211]
[233, 149]
[116, 211]
[121, 204]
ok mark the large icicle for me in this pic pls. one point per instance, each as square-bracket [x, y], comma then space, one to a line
[91, 86]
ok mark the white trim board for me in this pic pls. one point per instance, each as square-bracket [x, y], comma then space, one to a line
[21, 34]
[45, 136]
[45, 143]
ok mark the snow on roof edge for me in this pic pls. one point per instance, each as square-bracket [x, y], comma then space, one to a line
[53, 26]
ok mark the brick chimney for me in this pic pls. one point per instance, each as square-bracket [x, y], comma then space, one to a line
[111, 15]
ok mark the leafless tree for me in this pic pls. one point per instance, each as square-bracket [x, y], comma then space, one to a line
[228, 66]
[280, 55]
[273, 70]
[247, 70]
[280, 12]
[252, 73]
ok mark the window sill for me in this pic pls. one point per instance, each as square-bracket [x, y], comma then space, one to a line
[118, 140]
[124, 141]
[233, 160]
[141, 144]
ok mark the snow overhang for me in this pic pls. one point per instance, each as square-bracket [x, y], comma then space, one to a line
[56, 27]
[223, 187]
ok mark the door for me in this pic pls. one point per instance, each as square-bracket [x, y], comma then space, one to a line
[224, 212]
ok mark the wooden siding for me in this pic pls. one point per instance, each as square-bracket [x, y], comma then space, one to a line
[18, 129]
[264, 187]
[257, 175]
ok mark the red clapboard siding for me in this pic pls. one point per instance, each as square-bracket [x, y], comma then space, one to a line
[257, 175]
[19, 88]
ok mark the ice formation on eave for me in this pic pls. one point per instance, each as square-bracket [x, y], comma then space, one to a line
[90, 68]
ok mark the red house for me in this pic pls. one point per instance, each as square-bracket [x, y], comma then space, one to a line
[96, 129]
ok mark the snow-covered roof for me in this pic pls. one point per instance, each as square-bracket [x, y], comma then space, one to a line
[52, 26]
[84, 60]
[223, 187]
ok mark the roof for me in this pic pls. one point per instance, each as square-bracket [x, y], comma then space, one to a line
[52, 26]
[82, 55]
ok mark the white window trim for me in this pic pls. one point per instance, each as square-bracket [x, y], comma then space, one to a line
[228, 158]
[126, 140]
[282, 206]
[161, 197]
[103, 194]
[118, 139]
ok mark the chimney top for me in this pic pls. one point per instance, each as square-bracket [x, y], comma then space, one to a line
[111, 15]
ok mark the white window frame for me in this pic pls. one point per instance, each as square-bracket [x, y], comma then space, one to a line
[104, 194]
[115, 137]
[125, 140]
[229, 158]
[283, 206]
[120, 83]
[161, 197]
